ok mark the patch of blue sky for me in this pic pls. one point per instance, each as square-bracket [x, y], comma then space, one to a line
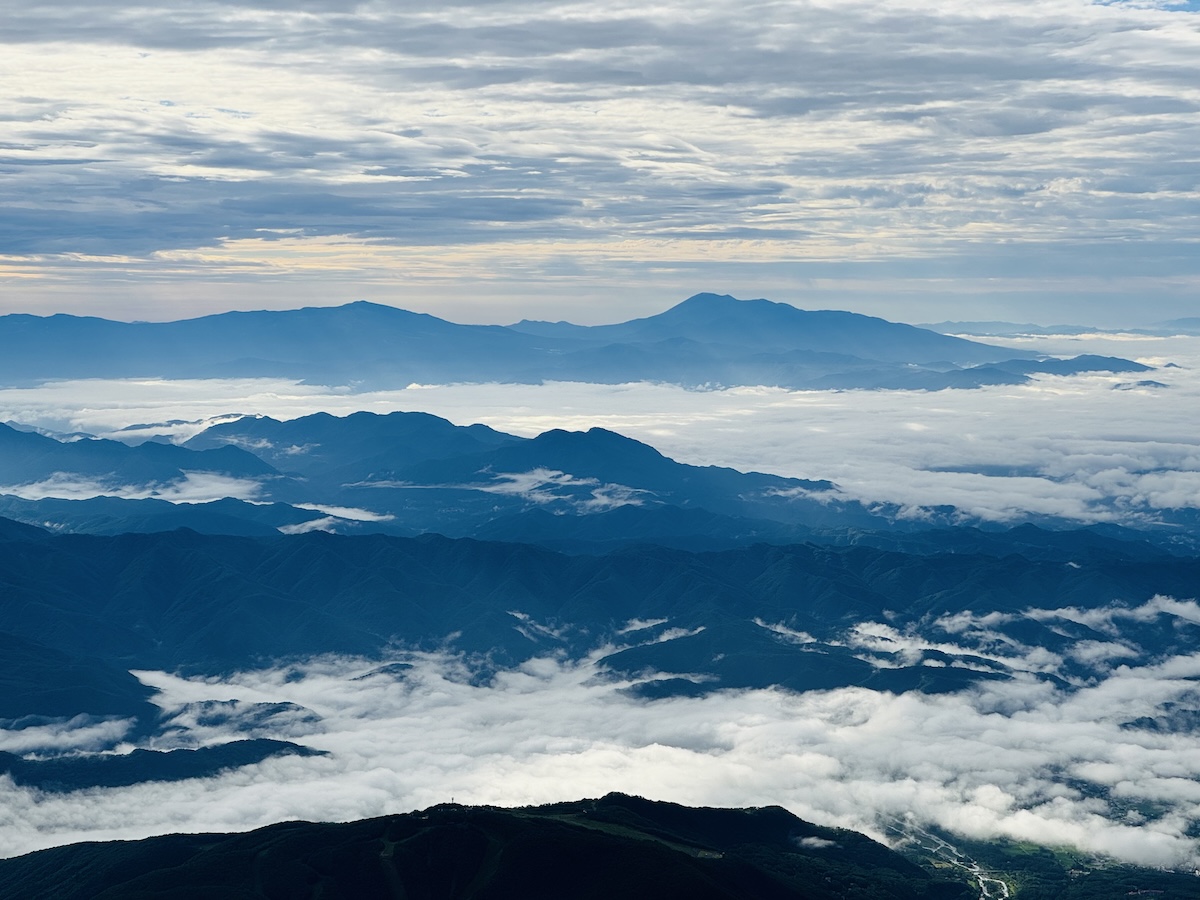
[1190, 6]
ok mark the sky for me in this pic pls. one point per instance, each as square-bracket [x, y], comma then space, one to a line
[489, 160]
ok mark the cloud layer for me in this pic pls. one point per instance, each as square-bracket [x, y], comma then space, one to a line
[481, 158]
[1088, 768]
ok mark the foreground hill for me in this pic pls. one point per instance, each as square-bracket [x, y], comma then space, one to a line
[618, 846]
[707, 340]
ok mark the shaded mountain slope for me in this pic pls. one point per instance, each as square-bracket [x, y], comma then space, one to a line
[212, 603]
[37, 680]
[26, 457]
[347, 448]
[92, 770]
[724, 321]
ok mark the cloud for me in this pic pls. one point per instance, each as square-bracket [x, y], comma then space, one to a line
[788, 634]
[193, 487]
[639, 624]
[511, 150]
[325, 523]
[348, 512]
[1019, 758]
[538, 486]
[1109, 619]
[541, 486]
[815, 843]
[81, 733]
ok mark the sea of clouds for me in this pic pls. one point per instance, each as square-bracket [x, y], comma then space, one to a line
[1025, 757]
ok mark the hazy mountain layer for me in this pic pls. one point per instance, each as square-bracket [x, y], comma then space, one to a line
[707, 340]
[27, 458]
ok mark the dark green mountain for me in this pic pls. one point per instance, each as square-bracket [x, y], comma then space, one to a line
[408, 474]
[412, 473]
[115, 515]
[37, 680]
[617, 846]
[351, 448]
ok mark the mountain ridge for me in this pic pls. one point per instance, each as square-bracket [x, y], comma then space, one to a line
[182, 600]
[767, 324]
[617, 845]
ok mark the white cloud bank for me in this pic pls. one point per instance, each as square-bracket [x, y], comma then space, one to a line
[1109, 767]
[1019, 759]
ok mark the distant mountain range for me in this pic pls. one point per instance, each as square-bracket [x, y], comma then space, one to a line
[708, 340]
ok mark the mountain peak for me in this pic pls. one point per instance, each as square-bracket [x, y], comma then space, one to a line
[709, 300]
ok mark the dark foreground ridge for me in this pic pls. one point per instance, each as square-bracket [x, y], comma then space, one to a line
[615, 847]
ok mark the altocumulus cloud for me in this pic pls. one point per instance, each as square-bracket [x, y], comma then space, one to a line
[1019, 758]
[537, 144]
